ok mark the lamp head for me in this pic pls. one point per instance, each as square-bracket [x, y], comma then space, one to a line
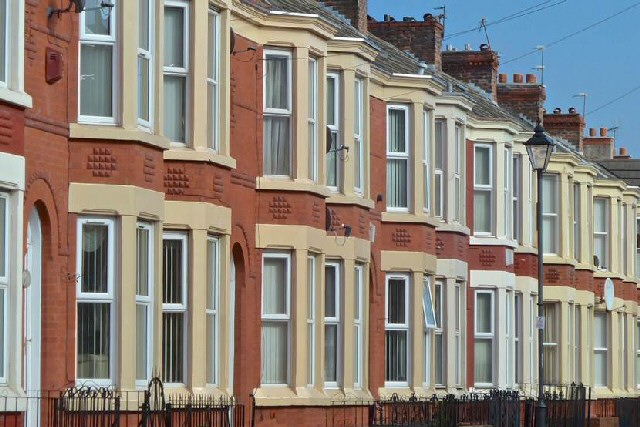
[539, 148]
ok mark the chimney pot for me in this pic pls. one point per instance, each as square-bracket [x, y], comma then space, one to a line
[531, 78]
[467, 47]
[517, 78]
[408, 19]
[427, 17]
[592, 132]
[557, 110]
[623, 151]
[572, 110]
[502, 78]
[484, 47]
[603, 132]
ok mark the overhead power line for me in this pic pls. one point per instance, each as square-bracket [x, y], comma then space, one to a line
[575, 33]
[624, 95]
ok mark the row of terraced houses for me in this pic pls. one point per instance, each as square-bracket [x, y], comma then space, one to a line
[291, 199]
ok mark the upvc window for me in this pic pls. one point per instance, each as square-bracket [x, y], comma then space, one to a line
[508, 339]
[439, 165]
[4, 282]
[95, 294]
[483, 189]
[212, 310]
[213, 80]
[517, 200]
[311, 319]
[98, 75]
[276, 318]
[277, 112]
[577, 219]
[571, 330]
[532, 337]
[426, 160]
[397, 158]
[457, 172]
[397, 331]
[4, 42]
[358, 333]
[551, 213]
[457, 333]
[176, 70]
[623, 239]
[146, 46]
[144, 302]
[312, 120]
[517, 338]
[638, 354]
[600, 349]
[637, 247]
[358, 137]
[577, 346]
[601, 232]
[484, 337]
[622, 348]
[438, 304]
[429, 325]
[550, 344]
[334, 130]
[508, 191]
[174, 307]
[332, 325]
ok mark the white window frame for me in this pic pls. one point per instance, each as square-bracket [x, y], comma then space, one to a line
[183, 308]
[279, 112]
[484, 188]
[4, 285]
[400, 155]
[516, 188]
[212, 311]
[429, 324]
[426, 160]
[311, 319]
[571, 332]
[603, 234]
[577, 220]
[146, 301]
[358, 137]
[358, 326]
[439, 173]
[404, 326]
[100, 298]
[182, 72]
[333, 152]
[552, 344]
[335, 321]
[458, 201]
[109, 40]
[637, 245]
[438, 333]
[213, 80]
[282, 318]
[601, 350]
[509, 339]
[553, 216]
[457, 333]
[4, 60]
[624, 229]
[637, 358]
[486, 336]
[518, 310]
[508, 192]
[532, 339]
[147, 55]
[312, 120]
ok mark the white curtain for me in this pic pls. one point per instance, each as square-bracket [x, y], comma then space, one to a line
[96, 81]
[551, 362]
[482, 211]
[397, 168]
[142, 262]
[174, 107]
[276, 145]
[483, 365]
[174, 54]
[277, 79]
[274, 352]
[274, 282]
[438, 358]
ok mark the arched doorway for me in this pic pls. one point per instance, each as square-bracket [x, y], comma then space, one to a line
[33, 317]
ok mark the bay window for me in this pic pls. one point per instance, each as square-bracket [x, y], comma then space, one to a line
[457, 333]
[95, 357]
[334, 130]
[438, 332]
[358, 333]
[550, 344]
[551, 213]
[144, 302]
[426, 160]
[4, 282]
[458, 200]
[212, 310]
[276, 318]
[176, 70]
[213, 90]
[311, 319]
[277, 112]
[429, 324]
[398, 157]
[517, 338]
[600, 349]
[174, 307]
[439, 165]
[358, 137]
[508, 339]
[312, 120]
[601, 232]
[507, 190]
[577, 216]
[516, 189]
[623, 239]
[483, 189]
[332, 325]
[577, 346]
[484, 338]
[98, 88]
[397, 331]
[146, 37]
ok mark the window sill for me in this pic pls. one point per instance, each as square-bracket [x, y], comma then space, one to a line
[199, 155]
[492, 241]
[13, 400]
[288, 184]
[95, 131]
[17, 98]
[408, 217]
[454, 227]
[340, 199]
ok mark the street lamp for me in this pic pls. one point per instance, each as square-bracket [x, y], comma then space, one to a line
[540, 147]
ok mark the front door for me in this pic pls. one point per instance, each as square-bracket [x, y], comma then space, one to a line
[32, 341]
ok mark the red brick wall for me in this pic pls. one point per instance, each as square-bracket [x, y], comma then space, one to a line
[11, 129]
[569, 126]
[477, 67]
[526, 98]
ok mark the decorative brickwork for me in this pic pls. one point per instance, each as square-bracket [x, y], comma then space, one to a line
[6, 128]
[280, 208]
[401, 237]
[148, 168]
[102, 162]
[176, 181]
[218, 186]
[487, 258]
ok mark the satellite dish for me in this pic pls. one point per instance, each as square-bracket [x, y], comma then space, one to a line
[608, 294]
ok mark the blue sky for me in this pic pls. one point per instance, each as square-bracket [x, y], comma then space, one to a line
[602, 61]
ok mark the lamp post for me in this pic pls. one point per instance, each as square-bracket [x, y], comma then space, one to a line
[539, 147]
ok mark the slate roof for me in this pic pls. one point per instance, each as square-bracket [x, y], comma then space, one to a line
[625, 169]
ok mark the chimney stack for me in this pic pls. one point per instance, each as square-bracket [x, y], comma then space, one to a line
[520, 97]
[569, 126]
[354, 10]
[479, 67]
[624, 154]
[422, 38]
[601, 147]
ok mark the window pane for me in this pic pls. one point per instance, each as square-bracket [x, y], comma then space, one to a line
[96, 81]
[175, 107]
[549, 234]
[172, 277]
[482, 166]
[212, 69]
[173, 345]
[212, 353]
[3, 313]
[440, 132]
[396, 309]
[600, 215]
[274, 294]
[3, 237]
[94, 335]
[143, 87]
[96, 21]
[174, 55]
[331, 353]
[3, 40]
[482, 211]
[142, 249]
[142, 343]
[276, 91]
[600, 333]
[212, 275]
[330, 309]
[276, 145]
[143, 24]
[600, 368]
[331, 101]
[549, 197]
[396, 357]
[274, 353]
[483, 366]
[397, 183]
[95, 255]
[397, 131]
[483, 313]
